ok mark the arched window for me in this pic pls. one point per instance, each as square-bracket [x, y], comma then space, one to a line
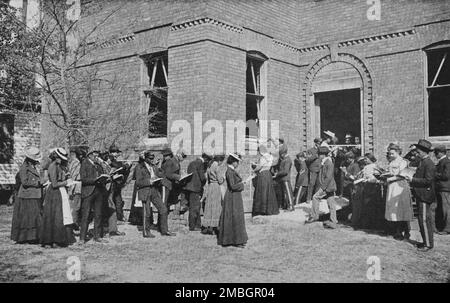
[438, 90]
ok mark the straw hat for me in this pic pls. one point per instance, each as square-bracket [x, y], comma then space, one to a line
[33, 153]
[61, 153]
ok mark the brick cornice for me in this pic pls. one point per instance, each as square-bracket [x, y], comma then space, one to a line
[120, 40]
[206, 20]
[377, 38]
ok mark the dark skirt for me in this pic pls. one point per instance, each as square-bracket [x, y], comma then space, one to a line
[232, 221]
[264, 199]
[53, 229]
[26, 220]
[135, 217]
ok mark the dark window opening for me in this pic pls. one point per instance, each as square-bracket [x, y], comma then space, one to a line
[253, 95]
[438, 61]
[156, 93]
[340, 112]
[6, 138]
[439, 112]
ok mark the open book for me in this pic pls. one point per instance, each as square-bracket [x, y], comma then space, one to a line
[184, 178]
[156, 180]
[102, 178]
[359, 181]
[409, 171]
[116, 171]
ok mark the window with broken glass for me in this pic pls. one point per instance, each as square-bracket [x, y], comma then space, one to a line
[254, 94]
[156, 94]
[438, 90]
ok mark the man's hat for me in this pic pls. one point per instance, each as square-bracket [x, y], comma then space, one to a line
[235, 156]
[329, 133]
[323, 150]
[149, 155]
[61, 153]
[114, 149]
[33, 153]
[440, 149]
[317, 140]
[424, 145]
[93, 151]
[348, 136]
[167, 152]
[360, 159]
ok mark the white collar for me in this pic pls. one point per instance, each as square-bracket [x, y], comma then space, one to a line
[231, 166]
[444, 156]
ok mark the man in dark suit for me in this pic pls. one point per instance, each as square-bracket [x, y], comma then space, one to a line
[327, 187]
[313, 164]
[442, 190]
[114, 153]
[148, 193]
[301, 181]
[283, 177]
[194, 189]
[423, 184]
[93, 194]
[171, 169]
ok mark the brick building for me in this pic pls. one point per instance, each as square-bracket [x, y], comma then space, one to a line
[312, 65]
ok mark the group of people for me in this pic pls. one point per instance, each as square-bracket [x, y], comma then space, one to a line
[56, 198]
[87, 185]
[68, 192]
[211, 184]
[381, 197]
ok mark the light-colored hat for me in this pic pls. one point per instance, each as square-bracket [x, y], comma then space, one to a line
[236, 156]
[329, 133]
[61, 153]
[33, 153]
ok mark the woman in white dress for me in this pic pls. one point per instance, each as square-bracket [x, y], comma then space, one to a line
[399, 210]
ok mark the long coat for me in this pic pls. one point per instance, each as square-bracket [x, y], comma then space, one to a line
[30, 182]
[423, 181]
[326, 176]
[302, 173]
[443, 175]
[232, 221]
[89, 172]
[171, 170]
[398, 199]
[143, 177]
[198, 178]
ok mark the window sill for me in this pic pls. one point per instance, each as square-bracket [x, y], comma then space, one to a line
[439, 140]
[152, 142]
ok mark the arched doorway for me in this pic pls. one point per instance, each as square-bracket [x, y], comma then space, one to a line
[338, 97]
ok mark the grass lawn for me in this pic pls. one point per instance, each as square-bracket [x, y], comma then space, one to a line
[280, 249]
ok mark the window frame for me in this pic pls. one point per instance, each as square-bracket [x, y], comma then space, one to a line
[260, 94]
[148, 89]
[426, 51]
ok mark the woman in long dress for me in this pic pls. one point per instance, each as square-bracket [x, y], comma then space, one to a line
[27, 219]
[399, 210]
[232, 221]
[213, 193]
[264, 198]
[57, 220]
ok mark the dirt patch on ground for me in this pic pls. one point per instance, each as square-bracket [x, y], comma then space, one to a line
[280, 249]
